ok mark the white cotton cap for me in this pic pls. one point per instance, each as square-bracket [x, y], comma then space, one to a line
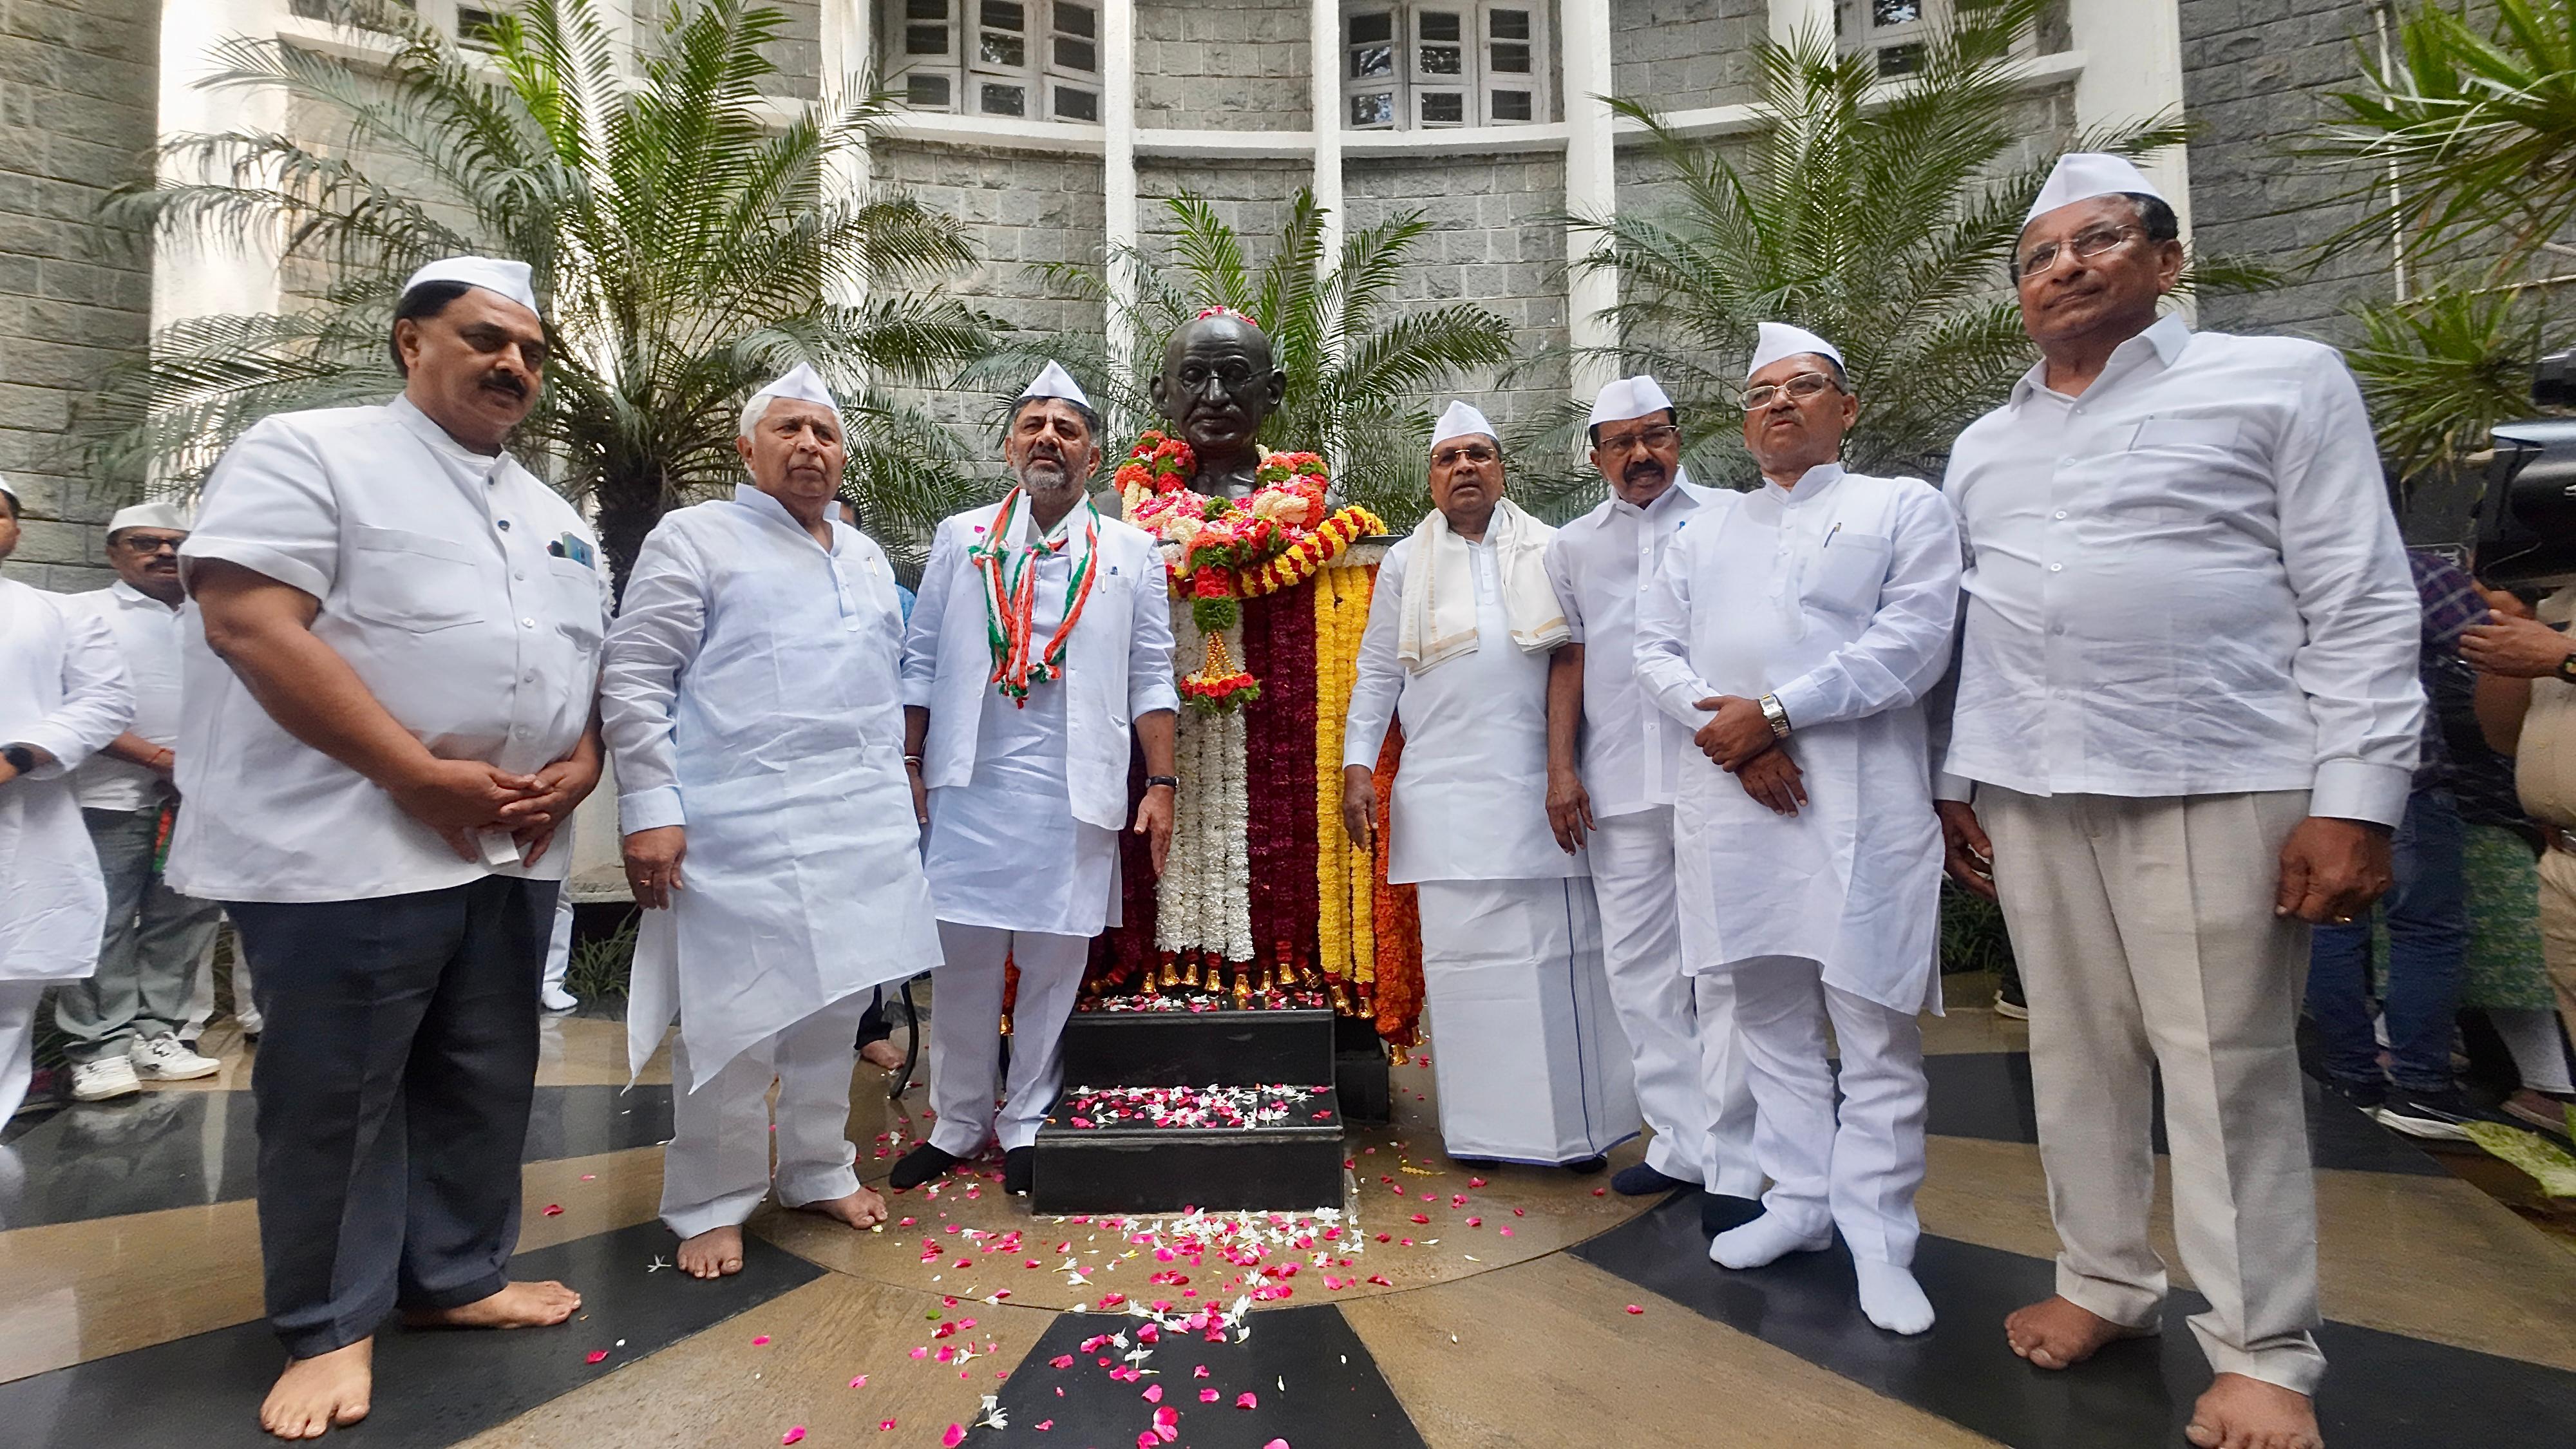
[1780, 340]
[2083, 175]
[492, 274]
[802, 384]
[1054, 381]
[1629, 397]
[147, 515]
[1461, 421]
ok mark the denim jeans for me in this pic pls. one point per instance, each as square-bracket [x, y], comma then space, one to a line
[2427, 916]
[147, 963]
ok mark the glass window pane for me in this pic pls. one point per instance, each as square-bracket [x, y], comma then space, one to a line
[1369, 60]
[1001, 49]
[1081, 55]
[1367, 28]
[1074, 104]
[1443, 60]
[925, 9]
[1511, 58]
[1441, 25]
[1895, 60]
[1444, 108]
[1006, 15]
[1513, 106]
[926, 92]
[1375, 109]
[925, 40]
[1895, 12]
[1079, 20]
[994, 99]
[1510, 24]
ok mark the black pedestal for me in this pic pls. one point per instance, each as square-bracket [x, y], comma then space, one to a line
[1289, 1166]
[1198, 1048]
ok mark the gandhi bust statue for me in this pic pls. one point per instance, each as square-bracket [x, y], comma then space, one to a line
[1218, 383]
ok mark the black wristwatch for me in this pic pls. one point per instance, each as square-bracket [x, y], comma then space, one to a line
[1153, 780]
[2567, 669]
[20, 758]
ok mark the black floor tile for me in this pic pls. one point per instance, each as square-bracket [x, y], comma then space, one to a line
[432, 1388]
[1313, 1382]
[186, 1149]
[2383, 1390]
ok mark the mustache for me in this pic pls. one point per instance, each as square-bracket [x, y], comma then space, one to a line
[1643, 469]
[503, 382]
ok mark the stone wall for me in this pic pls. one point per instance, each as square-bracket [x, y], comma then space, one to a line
[1232, 65]
[1252, 196]
[77, 105]
[1680, 54]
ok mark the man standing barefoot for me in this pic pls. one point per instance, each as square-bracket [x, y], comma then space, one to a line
[389, 714]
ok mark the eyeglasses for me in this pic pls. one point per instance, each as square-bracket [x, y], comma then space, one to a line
[1472, 453]
[1643, 440]
[2088, 244]
[148, 544]
[1800, 388]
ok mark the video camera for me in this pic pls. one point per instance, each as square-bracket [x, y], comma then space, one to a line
[2527, 519]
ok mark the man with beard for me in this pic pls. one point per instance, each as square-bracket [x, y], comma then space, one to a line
[125, 1022]
[1618, 802]
[1043, 632]
[390, 713]
[1459, 634]
[752, 698]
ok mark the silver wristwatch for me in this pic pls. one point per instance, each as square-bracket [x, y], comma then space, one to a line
[1775, 716]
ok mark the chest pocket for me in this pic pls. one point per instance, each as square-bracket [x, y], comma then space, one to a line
[414, 581]
[2165, 457]
[1846, 575]
[578, 610]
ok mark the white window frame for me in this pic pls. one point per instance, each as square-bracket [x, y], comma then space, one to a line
[1411, 85]
[903, 64]
[1390, 85]
[1855, 21]
[962, 65]
[1542, 63]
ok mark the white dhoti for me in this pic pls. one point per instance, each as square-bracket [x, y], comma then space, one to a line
[1688, 1065]
[18, 1003]
[716, 1169]
[1524, 1041]
[966, 1048]
[1858, 1169]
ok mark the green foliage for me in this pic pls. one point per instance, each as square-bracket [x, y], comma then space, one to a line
[600, 969]
[1972, 932]
[2441, 370]
[1882, 217]
[690, 235]
[1360, 366]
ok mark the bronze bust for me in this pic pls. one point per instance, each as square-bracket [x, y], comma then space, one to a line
[1218, 383]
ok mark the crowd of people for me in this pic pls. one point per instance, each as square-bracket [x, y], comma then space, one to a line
[2150, 667]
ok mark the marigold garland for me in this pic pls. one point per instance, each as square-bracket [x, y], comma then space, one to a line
[1396, 914]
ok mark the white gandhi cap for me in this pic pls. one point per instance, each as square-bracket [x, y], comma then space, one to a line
[2083, 175]
[1779, 340]
[1461, 421]
[505, 278]
[1053, 381]
[147, 515]
[1629, 397]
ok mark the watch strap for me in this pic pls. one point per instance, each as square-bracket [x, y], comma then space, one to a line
[1775, 716]
[1153, 780]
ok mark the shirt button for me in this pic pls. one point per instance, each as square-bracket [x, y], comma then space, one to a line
[2057, 568]
[2061, 513]
[531, 623]
[519, 574]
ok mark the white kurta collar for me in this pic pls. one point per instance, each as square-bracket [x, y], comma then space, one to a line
[130, 596]
[2166, 339]
[749, 495]
[440, 439]
[1662, 504]
[1811, 484]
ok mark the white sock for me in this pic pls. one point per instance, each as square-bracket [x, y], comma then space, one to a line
[1763, 1241]
[1891, 1297]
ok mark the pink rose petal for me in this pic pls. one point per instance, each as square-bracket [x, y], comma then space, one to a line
[955, 1436]
[860, 1382]
[760, 1341]
[792, 1436]
[1153, 1393]
[1633, 1308]
[597, 1355]
[1246, 1401]
[884, 1424]
[554, 1209]
[1209, 1396]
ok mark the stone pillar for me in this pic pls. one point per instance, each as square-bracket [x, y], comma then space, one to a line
[2133, 71]
[1118, 167]
[1788, 17]
[1591, 186]
[847, 42]
[205, 278]
[1324, 40]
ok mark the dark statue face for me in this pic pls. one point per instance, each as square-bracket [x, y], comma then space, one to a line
[1217, 385]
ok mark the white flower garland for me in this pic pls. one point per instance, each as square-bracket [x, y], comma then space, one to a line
[1205, 896]
[1233, 820]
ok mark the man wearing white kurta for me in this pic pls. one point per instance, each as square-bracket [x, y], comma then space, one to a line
[1797, 628]
[389, 710]
[1043, 632]
[2188, 711]
[1525, 1045]
[63, 696]
[125, 1021]
[1612, 760]
[750, 695]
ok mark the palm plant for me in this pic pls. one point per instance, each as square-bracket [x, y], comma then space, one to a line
[686, 228]
[1360, 366]
[2441, 370]
[1881, 217]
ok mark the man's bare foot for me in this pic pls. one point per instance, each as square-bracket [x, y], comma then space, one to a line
[2056, 1334]
[318, 1394]
[862, 1209]
[517, 1305]
[2247, 1413]
[715, 1253]
[881, 1053]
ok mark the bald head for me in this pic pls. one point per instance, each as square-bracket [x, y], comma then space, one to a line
[1219, 381]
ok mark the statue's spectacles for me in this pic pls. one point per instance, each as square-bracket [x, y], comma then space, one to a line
[1235, 375]
[1472, 453]
[1643, 440]
[2087, 245]
[1800, 388]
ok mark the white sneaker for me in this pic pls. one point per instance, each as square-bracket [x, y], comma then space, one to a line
[107, 1077]
[162, 1059]
[558, 1000]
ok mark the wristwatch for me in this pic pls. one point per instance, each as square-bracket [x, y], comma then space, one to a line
[1777, 717]
[20, 758]
[1153, 780]
[2567, 669]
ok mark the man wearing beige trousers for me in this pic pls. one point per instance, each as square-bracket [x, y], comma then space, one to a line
[2186, 718]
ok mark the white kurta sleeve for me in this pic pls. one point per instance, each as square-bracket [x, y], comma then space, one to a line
[1905, 649]
[929, 610]
[269, 507]
[1150, 685]
[1663, 639]
[1381, 675]
[2347, 570]
[649, 650]
[1560, 577]
[98, 701]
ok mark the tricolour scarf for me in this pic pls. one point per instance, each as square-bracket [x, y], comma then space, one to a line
[1007, 568]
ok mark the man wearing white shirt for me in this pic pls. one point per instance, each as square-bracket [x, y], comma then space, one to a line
[1460, 632]
[752, 698]
[63, 696]
[2187, 717]
[125, 1021]
[1797, 629]
[389, 713]
[1041, 640]
[1617, 802]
